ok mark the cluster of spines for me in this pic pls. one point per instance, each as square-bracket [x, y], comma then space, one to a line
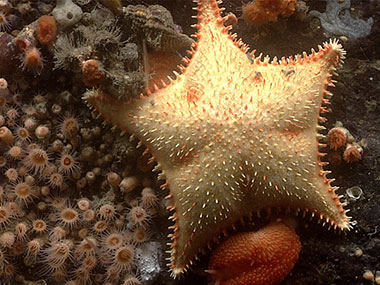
[332, 45]
[270, 213]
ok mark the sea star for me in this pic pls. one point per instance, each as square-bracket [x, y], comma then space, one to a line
[234, 135]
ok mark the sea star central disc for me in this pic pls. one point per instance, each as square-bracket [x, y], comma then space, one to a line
[234, 134]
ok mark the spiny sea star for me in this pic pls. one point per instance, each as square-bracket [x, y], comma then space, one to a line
[234, 135]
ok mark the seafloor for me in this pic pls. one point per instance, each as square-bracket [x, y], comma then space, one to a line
[326, 257]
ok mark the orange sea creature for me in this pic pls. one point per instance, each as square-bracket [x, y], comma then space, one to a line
[230, 20]
[253, 258]
[46, 29]
[92, 75]
[260, 12]
[338, 136]
[353, 152]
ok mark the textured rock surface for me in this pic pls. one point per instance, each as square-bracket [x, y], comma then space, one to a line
[149, 259]
[67, 13]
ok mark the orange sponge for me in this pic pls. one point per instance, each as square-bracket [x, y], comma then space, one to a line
[255, 258]
[261, 12]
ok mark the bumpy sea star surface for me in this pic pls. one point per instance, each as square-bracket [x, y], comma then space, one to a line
[234, 135]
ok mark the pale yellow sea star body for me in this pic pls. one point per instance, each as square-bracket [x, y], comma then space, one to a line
[234, 134]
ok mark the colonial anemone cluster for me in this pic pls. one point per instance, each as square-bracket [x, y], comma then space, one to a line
[50, 219]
